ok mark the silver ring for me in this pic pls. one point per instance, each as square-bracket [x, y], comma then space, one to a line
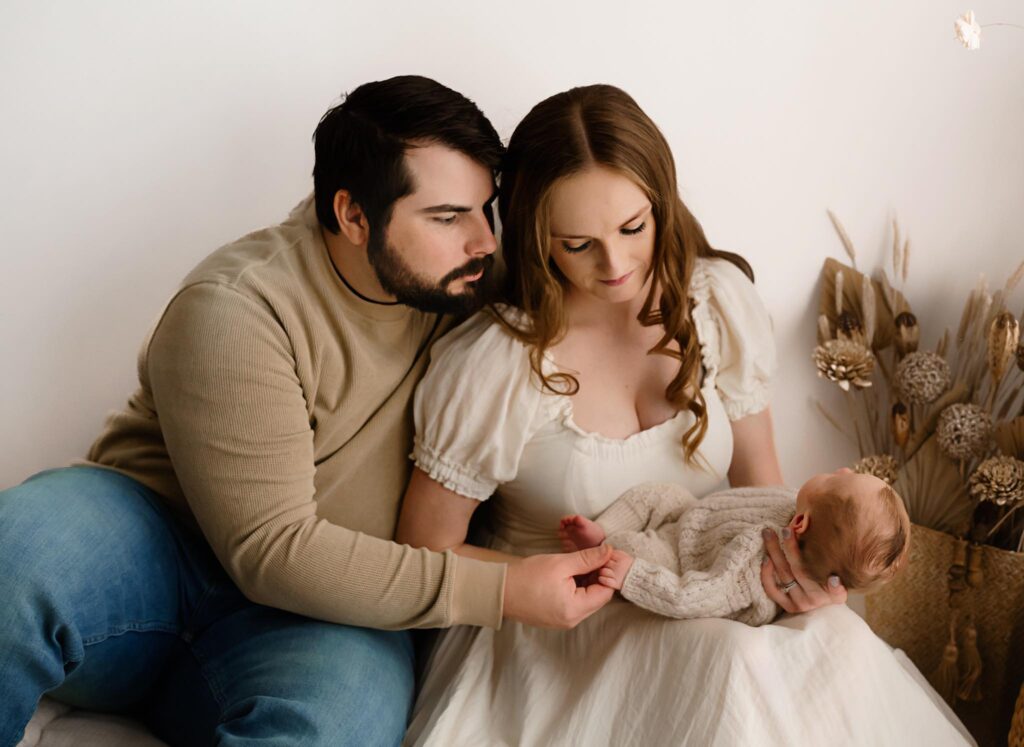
[786, 587]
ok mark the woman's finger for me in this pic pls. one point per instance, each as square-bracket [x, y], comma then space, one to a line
[771, 545]
[772, 589]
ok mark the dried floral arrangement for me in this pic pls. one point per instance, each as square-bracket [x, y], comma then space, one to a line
[945, 427]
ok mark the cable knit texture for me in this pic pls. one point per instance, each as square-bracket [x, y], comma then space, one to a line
[697, 558]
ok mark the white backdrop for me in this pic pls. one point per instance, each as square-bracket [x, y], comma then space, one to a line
[138, 136]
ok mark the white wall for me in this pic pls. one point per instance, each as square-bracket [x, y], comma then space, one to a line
[138, 136]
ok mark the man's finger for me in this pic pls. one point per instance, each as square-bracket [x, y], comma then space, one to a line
[590, 559]
[589, 599]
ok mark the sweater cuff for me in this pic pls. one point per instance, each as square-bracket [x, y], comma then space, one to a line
[478, 592]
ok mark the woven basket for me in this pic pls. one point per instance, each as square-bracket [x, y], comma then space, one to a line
[913, 612]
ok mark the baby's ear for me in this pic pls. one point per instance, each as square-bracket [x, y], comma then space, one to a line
[800, 522]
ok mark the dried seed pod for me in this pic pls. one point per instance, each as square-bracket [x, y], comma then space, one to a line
[900, 423]
[848, 327]
[908, 334]
[1003, 336]
[921, 377]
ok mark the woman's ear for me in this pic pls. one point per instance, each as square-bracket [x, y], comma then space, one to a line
[351, 218]
[800, 522]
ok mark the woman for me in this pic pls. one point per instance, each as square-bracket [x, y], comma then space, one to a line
[554, 403]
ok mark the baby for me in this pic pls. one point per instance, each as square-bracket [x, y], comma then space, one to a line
[683, 557]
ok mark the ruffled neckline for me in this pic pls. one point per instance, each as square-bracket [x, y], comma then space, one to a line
[559, 406]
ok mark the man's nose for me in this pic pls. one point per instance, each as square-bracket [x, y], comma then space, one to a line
[483, 241]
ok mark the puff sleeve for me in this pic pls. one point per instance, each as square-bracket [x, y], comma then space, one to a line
[742, 348]
[475, 409]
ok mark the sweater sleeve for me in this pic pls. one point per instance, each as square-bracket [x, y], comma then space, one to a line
[647, 506]
[234, 418]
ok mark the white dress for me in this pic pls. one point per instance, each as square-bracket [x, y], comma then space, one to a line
[626, 676]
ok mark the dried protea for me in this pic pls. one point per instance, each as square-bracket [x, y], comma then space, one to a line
[1003, 336]
[882, 466]
[845, 362]
[900, 424]
[922, 376]
[999, 479]
[964, 431]
[908, 334]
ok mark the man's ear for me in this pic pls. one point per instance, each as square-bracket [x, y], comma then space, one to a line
[351, 218]
[800, 522]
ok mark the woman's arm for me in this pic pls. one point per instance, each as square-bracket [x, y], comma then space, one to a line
[754, 462]
[438, 518]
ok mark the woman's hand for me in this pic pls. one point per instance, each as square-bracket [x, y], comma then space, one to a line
[782, 565]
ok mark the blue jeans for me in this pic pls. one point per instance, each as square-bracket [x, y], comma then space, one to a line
[107, 604]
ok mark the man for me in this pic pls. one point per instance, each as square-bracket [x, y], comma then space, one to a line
[223, 558]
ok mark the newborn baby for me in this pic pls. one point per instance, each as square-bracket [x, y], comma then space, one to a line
[685, 557]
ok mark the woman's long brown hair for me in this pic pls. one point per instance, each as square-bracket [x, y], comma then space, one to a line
[561, 136]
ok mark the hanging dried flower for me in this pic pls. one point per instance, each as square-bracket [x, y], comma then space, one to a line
[908, 335]
[921, 377]
[999, 479]
[964, 431]
[967, 30]
[882, 466]
[845, 362]
[900, 424]
[1003, 336]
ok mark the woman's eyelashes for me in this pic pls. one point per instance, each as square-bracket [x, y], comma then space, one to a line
[576, 248]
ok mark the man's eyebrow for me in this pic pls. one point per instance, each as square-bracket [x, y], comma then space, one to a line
[622, 225]
[446, 208]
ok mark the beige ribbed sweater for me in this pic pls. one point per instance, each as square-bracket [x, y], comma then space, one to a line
[274, 412]
[697, 558]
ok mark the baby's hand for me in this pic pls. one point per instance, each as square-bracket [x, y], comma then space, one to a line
[578, 533]
[613, 574]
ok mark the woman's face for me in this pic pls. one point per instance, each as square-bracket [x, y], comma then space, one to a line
[602, 234]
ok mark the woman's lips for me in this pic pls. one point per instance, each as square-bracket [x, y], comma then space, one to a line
[618, 281]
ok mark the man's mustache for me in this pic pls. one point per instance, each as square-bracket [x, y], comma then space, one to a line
[472, 267]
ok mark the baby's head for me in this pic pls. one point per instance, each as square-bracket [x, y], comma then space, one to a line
[851, 525]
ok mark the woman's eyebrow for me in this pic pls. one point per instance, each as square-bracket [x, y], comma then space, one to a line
[624, 223]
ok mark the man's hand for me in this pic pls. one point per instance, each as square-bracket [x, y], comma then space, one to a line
[541, 590]
[782, 565]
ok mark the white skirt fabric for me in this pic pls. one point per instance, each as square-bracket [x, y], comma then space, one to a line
[628, 677]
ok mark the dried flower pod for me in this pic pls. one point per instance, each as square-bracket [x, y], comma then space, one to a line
[964, 431]
[882, 466]
[848, 327]
[908, 334]
[845, 362]
[921, 377]
[999, 479]
[1003, 336]
[900, 423]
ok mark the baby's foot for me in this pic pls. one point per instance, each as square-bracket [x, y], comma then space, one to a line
[613, 574]
[578, 533]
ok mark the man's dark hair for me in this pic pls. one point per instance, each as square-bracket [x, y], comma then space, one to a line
[360, 143]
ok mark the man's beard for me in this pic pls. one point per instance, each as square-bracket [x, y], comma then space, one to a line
[398, 279]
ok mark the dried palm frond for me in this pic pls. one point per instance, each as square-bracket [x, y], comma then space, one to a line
[930, 485]
[851, 297]
[1009, 437]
